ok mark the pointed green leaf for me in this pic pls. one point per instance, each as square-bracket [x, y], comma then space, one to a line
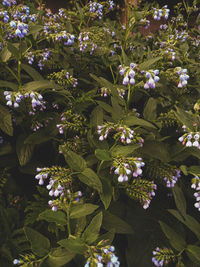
[150, 109]
[132, 120]
[6, 121]
[92, 231]
[89, 177]
[106, 195]
[179, 200]
[32, 72]
[195, 251]
[58, 257]
[75, 162]
[57, 217]
[120, 150]
[39, 85]
[82, 210]
[24, 151]
[39, 244]
[148, 63]
[175, 239]
[75, 245]
[103, 154]
[111, 221]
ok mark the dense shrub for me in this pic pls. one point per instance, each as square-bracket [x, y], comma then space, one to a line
[99, 136]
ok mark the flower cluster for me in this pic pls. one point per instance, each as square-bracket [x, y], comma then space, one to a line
[84, 42]
[190, 139]
[172, 178]
[13, 99]
[169, 52]
[44, 57]
[124, 167]
[102, 256]
[183, 77]
[123, 133]
[63, 78]
[196, 185]
[59, 184]
[9, 2]
[128, 73]
[162, 256]
[153, 78]
[96, 8]
[72, 121]
[141, 190]
[159, 13]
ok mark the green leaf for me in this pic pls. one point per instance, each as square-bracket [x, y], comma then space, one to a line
[42, 135]
[131, 120]
[5, 54]
[32, 72]
[92, 231]
[105, 106]
[179, 200]
[6, 121]
[111, 221]
[120, 150]
[189, 221]
[58, 257]
[39, 85]
[57, 217]
[5, 149]
[108, 237]
[184, 169]
[82, 210]
[145, 65]
[106, 194]
[195, 251]
[39, 244]
[155, 149]
[103, 154]
[195, 170]
[89, 177]
[175, 239]
[13, 49]
[75, 162]
[11, 85]
[184, 117]
[96, 116]
[150, 109]
[24, 151]
[75, 245]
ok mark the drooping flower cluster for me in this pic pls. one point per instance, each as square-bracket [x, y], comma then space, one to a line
[102, 256]
[183, 76]
[123, 133]
[71, 121]
[196, 185]
[44, 57]
[16, 19]
[190, 139]
[59, 184]
[63, 78]
[96, 8]
[141, 190]
[128, 73]
[172, 178]
[14, 99]
[159, 13]
[162, 256]
[153, 78]
[124, 167]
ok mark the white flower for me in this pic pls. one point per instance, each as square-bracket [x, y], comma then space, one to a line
[189, 143]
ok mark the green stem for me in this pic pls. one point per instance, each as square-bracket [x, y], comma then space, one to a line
[68, 221]
[129, 96]
[114, 80]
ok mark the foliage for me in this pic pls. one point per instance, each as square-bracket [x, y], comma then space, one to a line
[102, 116]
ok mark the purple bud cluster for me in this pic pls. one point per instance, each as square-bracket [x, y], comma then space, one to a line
[151, 194]
[159, 13]
[170, 54]
[183, 76]
[9, 2]
[182, 36]
[153, 78]
[111, 3]
[128, 73]
[42, 175]
[44, 57]
[104, 91]
[96, 8]
[190, 139]
[125, 167]
[85, 42]
[196, 185]
[163, 27]
[30, 58]
[163, 256]
[103, 257]
[13, 99]
[172, 179]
